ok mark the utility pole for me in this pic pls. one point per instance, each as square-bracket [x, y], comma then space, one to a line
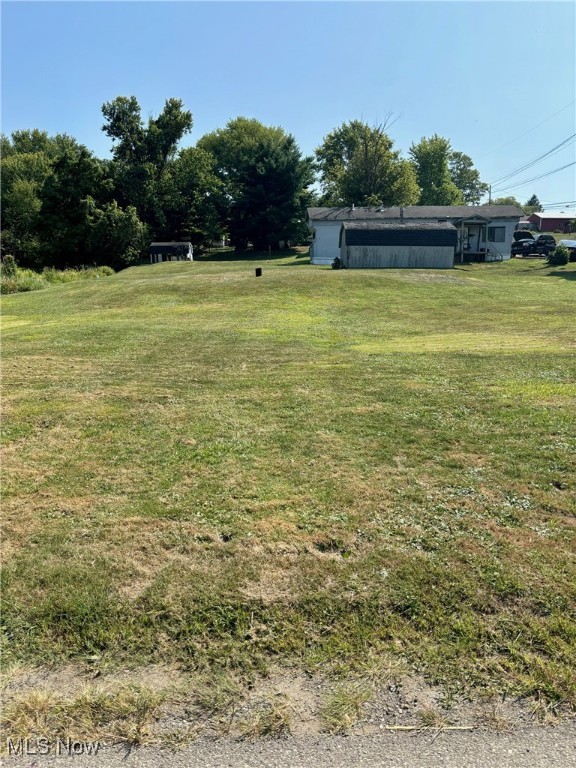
[490, 194]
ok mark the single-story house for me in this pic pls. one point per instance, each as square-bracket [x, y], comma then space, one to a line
[552, 222]
[484, 231]
[171, 252]
[385, 244]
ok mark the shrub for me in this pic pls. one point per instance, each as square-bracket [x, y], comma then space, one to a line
[559, 256]
[52, 275]
[25, 280]
[8, 285]
[28, 280]
[70, 275]
[9, 267]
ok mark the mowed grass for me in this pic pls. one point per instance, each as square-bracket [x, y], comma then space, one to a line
[309, 468]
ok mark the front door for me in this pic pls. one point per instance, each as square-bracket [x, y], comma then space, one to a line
[474, 238]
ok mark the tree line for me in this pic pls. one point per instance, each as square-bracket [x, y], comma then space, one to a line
[64, 207]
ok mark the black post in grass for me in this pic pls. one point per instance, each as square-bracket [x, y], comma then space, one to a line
[258, 271]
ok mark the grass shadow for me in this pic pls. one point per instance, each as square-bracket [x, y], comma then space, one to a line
[240, 256]
[303, 260]
[570, 275]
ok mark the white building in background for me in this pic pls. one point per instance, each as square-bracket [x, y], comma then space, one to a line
[173, 251]
[485, 232]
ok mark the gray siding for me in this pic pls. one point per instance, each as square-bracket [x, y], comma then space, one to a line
[397, 256]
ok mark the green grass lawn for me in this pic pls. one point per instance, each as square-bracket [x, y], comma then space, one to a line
[313, 467]
[562, 235]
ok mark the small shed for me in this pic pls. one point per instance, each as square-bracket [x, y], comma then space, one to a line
[391, 245]
[173, 251]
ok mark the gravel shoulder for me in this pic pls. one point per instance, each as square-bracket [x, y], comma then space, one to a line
[282, 722]
[535, 747]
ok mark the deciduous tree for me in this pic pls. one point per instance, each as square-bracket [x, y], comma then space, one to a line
[23, 177]
[57, 205]
[63, 226]
[265, 180]
[114, 237]
[143, 153]
[507, 201]
[358, 165]
[194, 201]
[466, 178]
[431, 160]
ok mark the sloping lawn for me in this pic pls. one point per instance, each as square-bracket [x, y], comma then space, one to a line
[311, 467]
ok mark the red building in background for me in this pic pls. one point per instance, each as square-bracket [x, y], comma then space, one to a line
[553, 222]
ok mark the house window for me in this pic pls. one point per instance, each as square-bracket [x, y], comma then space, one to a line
[496, 234]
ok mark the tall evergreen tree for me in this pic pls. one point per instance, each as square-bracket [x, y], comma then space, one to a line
[532, 205]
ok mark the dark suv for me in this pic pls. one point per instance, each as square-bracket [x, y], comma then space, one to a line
[545, 244]
[524, 243]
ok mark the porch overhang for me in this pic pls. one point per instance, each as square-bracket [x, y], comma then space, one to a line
[470, 220]
[463, 249]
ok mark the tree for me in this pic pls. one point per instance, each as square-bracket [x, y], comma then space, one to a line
[124, 125]
[114, 237]
[63, 226]
[264, 179]
[27, 142]
[20, 212]
[431, 160]
[532, 205]
[506, 201]
[57, 206]
[28, 158]
[466, 178]
[23, 177]
[194, 201]
[143, 154]
[79, 223]
[358, 165]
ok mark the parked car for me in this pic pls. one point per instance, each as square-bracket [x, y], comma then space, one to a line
[544, 245]
[571, 245]
[524, 243]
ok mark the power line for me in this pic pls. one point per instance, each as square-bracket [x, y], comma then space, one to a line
[536, 178]
[527, 132]
[565, 204]
[529, 164]
[524, 182]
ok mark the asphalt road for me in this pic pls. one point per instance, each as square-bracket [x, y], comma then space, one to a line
[534, 747]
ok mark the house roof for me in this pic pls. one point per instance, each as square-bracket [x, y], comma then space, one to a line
[561, 215]
[395, 225]
[415, 212]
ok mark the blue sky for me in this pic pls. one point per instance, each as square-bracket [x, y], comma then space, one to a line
[496, 78]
